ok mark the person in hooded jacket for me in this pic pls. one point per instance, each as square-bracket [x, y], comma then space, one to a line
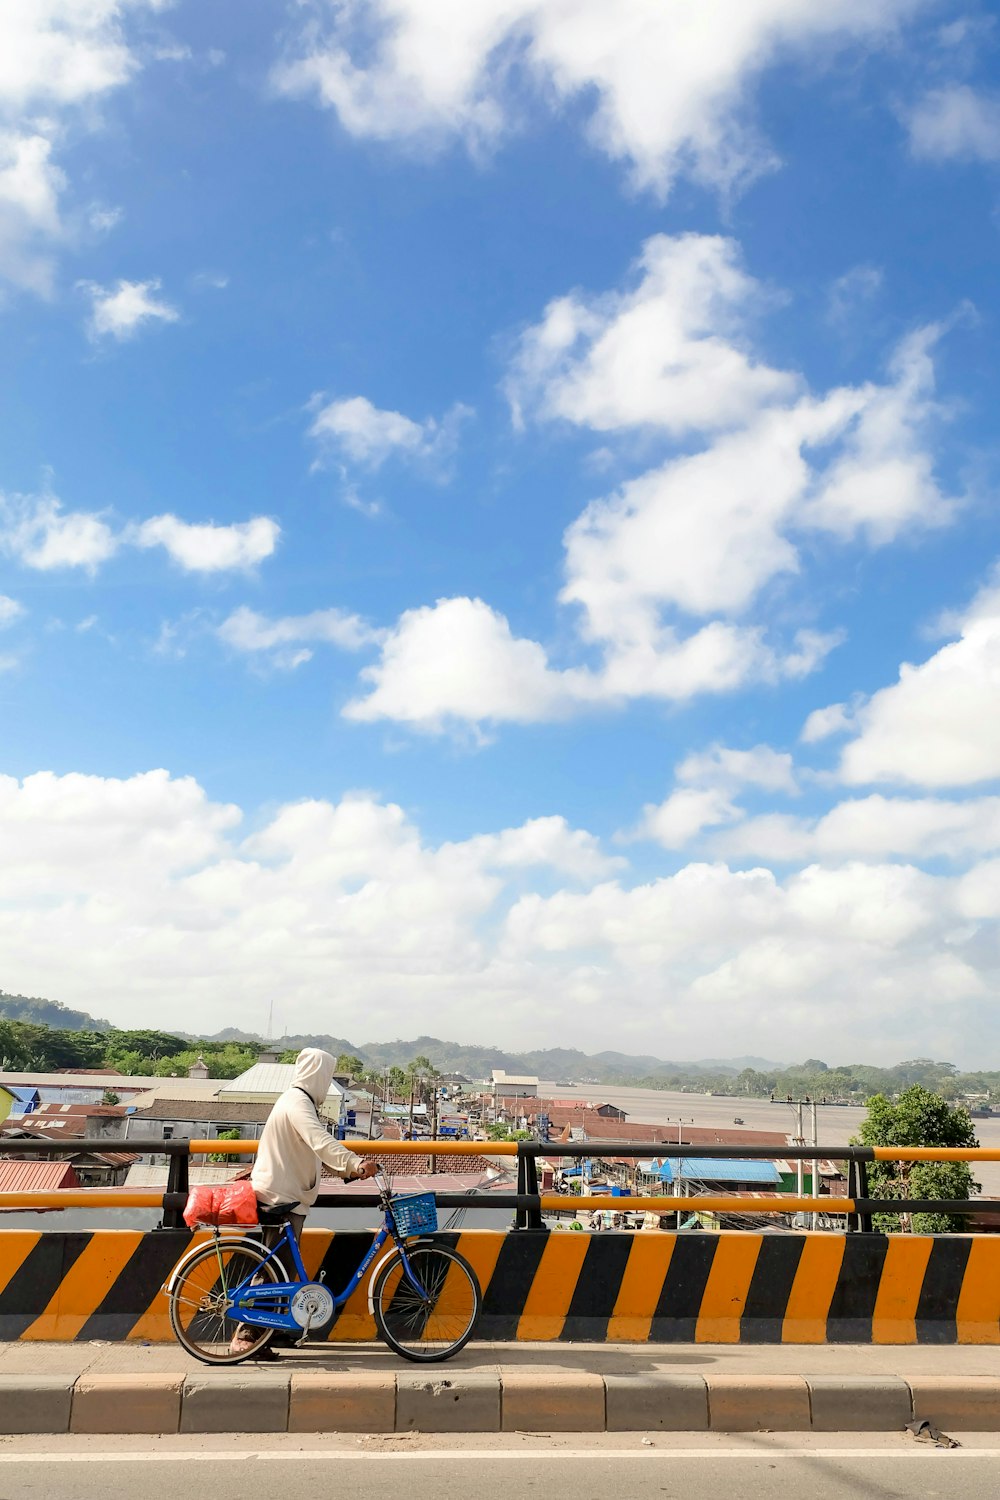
[294, 1148]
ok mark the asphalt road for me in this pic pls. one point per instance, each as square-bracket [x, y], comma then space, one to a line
[835, 1123]
[754, 1467]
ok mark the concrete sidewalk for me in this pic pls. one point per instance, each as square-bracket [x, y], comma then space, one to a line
[156, 1388]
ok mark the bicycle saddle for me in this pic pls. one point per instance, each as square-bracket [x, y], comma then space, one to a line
[274, 1213]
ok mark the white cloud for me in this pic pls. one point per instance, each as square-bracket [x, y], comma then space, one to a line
[203, 547]
[30, 184]
[63, 52]
[355, 430]
[40, 534]
[286, 642]
[883, 480]
[666, 571]
[709, 781]
[685, 813]
[666, 87]
[58, 60]
[119, 312]
[458, 662]
[10, 610]
[702, 533]
[956, 122]
[164, 905]
[873, 827]
[852, 292]
[723, 766]
[938, 725]
[549, 842]
[836, 718]
[662, 354]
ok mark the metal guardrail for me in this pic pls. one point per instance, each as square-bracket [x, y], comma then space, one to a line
[527, 1202]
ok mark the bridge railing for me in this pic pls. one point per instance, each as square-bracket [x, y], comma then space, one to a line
[527, 1202]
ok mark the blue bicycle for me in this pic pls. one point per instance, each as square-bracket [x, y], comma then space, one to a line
[425, 1297]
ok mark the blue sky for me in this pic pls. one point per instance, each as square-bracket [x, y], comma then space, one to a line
[497, 523]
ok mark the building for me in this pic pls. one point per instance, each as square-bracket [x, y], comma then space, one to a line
[78, 1087]
[264, 1082]
[106, 1121]
[26, 1101]
[511, 1086]
[7, 1102]
[714, 1174]
[196, 1119]
[91, 1168]
[35, 1176]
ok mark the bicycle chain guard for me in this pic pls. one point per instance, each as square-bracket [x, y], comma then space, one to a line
[312, 1305]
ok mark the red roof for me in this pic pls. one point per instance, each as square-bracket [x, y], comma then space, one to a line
[105, 1111]
[33, 1176]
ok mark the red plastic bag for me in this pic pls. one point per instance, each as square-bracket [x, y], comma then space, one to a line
[226, 1203]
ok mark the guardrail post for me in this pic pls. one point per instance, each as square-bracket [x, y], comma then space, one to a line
[177, 1182]
[864, 1220]
[527, 1182]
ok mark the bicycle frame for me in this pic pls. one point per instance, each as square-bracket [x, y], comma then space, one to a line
[258, 1303]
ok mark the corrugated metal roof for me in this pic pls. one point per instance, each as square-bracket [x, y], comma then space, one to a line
[268, 1078]
[220, 1111]
[203, 1088]
[35, 1176]
[142, 1176]
[710, 1169]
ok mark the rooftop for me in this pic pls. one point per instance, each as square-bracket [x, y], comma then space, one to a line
[269, 1078]
[35, 1176]
[254, 1112]
[120, 1083]
[712, 1169]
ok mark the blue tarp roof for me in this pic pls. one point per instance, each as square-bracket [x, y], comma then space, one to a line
[715, 1169]
[26, 1096]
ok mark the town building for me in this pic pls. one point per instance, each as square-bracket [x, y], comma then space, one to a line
[511, 1086]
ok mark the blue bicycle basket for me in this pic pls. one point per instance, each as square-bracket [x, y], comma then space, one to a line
[416, 1214]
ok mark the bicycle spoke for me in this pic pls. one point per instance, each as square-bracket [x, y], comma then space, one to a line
[433, 1318]
[201, 1312]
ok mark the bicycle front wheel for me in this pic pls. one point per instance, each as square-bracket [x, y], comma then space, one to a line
[200, 1312]
[433, 1318]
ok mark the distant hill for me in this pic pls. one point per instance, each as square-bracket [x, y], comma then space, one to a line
[562, 1063]
[48, 1013]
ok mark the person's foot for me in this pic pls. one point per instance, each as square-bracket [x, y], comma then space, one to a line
[251, 1348]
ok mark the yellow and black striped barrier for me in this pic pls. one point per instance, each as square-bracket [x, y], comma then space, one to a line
[653, 1287]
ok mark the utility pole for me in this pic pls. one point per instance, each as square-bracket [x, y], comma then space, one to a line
[799, 1140]
[680, 1121]
[815, 1165]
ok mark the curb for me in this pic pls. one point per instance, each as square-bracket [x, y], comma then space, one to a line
[478, 1401]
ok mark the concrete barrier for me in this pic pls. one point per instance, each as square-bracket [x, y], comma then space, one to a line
[509, 1400]
[645, 1287]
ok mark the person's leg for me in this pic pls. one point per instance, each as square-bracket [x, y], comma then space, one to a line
[247, 1335]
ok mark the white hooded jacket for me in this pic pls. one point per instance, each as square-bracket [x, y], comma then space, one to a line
[295, 1143]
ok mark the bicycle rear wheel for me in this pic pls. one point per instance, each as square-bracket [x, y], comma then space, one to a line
[432, 1320]
[200, 1314]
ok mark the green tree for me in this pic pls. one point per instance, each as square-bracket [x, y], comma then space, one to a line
[918, 1117]
[110, 1097]
[225, 1135]
[349, 1064]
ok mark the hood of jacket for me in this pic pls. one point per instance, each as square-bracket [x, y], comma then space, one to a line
[314, 1072]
